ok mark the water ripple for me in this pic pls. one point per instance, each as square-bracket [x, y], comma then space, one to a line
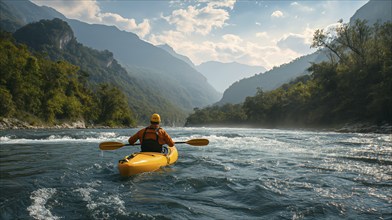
[241, 174]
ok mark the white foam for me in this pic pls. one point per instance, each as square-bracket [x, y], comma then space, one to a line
[5, 139]
[107, 135]
[40, 197]
[86, 193]
[113, 201]
[92, 138]
[50, 139]
[97, 205]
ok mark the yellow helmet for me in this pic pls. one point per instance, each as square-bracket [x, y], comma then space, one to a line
[155, 118]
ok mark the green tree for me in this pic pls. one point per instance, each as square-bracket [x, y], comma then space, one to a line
[114, 107]
[7, 107]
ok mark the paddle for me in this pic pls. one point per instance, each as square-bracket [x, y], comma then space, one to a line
[115, 145]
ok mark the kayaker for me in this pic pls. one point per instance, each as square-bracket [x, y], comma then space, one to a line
[153, 137]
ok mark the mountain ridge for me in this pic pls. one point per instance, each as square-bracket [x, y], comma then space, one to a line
[131, 52]
[59, 43]
[269, 80]
[155, 59]
[184, 86]
[379, 14]
[171, 51]
[222, 75]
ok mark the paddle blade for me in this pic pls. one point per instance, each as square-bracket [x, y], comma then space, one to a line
[198, 142]
[110, 145]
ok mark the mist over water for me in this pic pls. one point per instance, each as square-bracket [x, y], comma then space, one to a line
[241, 174]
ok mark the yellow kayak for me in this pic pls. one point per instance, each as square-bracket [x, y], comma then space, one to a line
[146, 161]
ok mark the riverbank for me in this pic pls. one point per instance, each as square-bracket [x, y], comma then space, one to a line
[359, 127]
[14, 123]
[365, 128]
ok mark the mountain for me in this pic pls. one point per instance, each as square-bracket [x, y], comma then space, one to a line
[170, 50]
[46, 34]
[168, 76]
[222, 75]
[372, 11]
[186, 87]
[355, 89]
[56, 39]
[15, 14]
[219, 75]
[270, 80]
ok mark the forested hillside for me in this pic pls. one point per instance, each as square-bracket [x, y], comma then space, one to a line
[172, 77]
[54, 40]
[40, 91]
[354, 86]
[157, 81]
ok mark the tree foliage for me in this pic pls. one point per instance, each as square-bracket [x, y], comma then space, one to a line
[354, 86]
[226, 115]
[144, 96]
[54, 91]
[113, 106]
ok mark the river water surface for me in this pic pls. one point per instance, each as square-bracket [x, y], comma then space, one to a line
[241, 174]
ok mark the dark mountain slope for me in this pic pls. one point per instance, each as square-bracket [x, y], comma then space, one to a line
[374, 11]
[171, 51]
[182, 85]
[135, 54]
[15, 14]
[270, 80]
[55, 38]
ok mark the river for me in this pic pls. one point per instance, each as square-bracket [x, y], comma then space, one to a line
[241, 174]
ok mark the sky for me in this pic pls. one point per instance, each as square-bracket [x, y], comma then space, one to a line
[258, 33]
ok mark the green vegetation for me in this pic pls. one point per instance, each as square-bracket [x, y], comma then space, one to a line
[228, 115]
[39, 90]
[354, 86]
[92, 73]
[143, 97]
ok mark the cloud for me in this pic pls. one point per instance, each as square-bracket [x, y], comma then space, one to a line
[235, 39]
[201, 18]
[299, 43]
[90, 12]
[277, 14]
[301, 7]
[262, 34]
[224, 3]
[228, 48]
[141, 29]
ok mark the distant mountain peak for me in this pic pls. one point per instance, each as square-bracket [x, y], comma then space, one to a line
[166, 47]
[172, 52]
[222, 75]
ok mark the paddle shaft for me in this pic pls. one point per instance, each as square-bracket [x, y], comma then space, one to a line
[116, 145]
[180, 142]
